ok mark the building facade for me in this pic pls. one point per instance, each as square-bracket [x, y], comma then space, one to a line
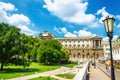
[80, 47]
[116, 49]
[83, 47]
[106, 49]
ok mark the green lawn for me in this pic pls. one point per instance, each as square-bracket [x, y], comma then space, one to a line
[71, 65]
[16, 71]
[43, 78]
[67, 76]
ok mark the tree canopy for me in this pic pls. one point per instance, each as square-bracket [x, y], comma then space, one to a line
[51, 52]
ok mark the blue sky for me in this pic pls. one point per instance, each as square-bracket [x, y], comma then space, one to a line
[64, 18]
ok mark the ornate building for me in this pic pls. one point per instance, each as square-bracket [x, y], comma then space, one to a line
[106, 49]
[83, 47]
[79, 47]
[116, 49]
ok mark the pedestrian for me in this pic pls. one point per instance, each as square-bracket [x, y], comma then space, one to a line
[106, 64]
[109, 68]
[94, 64]
[88, 66]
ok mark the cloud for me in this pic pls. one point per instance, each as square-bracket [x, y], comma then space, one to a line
[118, 26]
[79, 33]
[19, 20]
[57, 30]
[71, 13]
[26, 30]
[118, 17]
[7, 6]
[104, 14]
[66, 33]
[84, 33]
[114, 38]
[64, 30]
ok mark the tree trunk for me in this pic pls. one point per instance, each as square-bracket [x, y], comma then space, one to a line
[2, 64]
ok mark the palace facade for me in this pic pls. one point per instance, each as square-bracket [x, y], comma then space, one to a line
[116, 49]
[83, 47]
[79, 47]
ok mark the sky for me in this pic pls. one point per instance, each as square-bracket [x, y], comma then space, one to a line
[64, 18]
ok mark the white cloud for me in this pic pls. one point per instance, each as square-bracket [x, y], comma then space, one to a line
[57, 30]
[104, 14]
[118, 26]
[69, 34]
[7, 6]
[26, 30]
[83, 33]
[65, 10]
[74, 33]
[114, 38]
[64, 30]
[105, 39]
[66, 33]
[118, 17]
[19, 20]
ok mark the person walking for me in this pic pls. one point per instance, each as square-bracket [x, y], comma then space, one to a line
[106, 64]
[109, 68]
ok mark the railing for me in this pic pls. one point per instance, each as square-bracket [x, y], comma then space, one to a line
[82, 74]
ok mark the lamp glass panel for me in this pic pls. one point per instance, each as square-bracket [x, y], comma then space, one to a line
[106, 25]
[110, 24]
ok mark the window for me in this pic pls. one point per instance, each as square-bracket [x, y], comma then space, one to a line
[97, 44]
[83, 51]
[83, 45]
[87, 45]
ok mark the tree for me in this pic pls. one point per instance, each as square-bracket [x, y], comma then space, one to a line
[65, 55]
[51, 52]
[9, 37]
[33, 53]
[23, 48]
[35, 44]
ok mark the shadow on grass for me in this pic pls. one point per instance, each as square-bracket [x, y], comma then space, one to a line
[19, 70]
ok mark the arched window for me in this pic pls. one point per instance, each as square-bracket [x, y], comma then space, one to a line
[83, 51]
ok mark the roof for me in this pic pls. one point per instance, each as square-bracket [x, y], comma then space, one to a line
[46, 33]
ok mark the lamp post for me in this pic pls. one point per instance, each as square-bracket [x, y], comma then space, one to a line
[109, 25]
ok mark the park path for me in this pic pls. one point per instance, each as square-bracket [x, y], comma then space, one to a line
[97, 74]
[48, 73]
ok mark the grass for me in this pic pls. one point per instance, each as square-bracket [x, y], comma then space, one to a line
[43, 78]
[67, 76]
[71, 65]
[17, 71]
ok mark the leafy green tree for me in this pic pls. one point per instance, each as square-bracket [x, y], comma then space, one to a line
[33, 52]
[23, 48]
[51, 52]
[9, 37]
[65, 55]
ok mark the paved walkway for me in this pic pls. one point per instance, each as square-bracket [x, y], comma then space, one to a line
[117, 71]
[48, 73]
[97, 74]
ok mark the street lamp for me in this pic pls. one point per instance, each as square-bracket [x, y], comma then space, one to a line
[109, 26]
